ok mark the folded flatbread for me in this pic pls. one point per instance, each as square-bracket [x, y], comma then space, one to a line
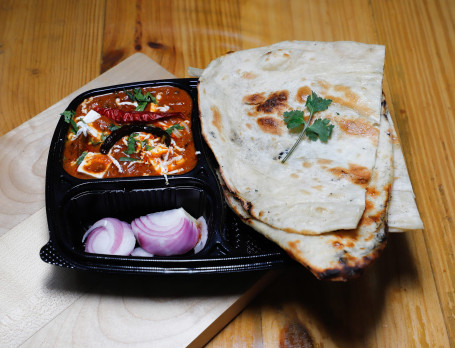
[343, 254]
[327, 205]
[403, 214]
[242, 97]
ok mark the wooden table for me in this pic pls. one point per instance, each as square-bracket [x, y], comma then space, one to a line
[48, 49]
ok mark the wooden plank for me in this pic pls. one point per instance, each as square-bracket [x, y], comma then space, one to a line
[349, 20]
[420, 53]
[42, 305]
[413, 297]
[383, 308]
[419, 36]
[22, 189]
[47, 50]
[176, 34]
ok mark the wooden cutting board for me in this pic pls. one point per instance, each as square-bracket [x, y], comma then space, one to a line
[44, 305]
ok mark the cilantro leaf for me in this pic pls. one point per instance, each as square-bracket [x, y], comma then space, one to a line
[68, 117]
[74, 126]
[93, 142]
[315, 103]
[129, 95]
[153, 99]
[81, 158]
[128, 159]
[293, 118]
[141, 99]
[112, 127]
[141, 106]
[103, 136]
[321, 128]
[131, 144]
[138, 96]
[174, 126]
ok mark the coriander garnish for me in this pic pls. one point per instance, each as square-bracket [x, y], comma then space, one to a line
[319, 129]
[141, 99]
[94, 142]
[131, 144]
[175, 126]
[81, 158]
[128, 159]
[68, 117]
[112, 127]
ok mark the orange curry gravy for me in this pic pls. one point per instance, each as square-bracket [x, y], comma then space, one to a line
[138, 154]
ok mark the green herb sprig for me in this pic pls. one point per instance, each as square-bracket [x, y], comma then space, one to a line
[81, 157]
[131, 144]
[128, 159]
[68, 117]
[174, 126]
[112, 127]
[141, 99]
[321, 128]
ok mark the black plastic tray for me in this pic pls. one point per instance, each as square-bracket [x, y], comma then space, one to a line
[73, 205]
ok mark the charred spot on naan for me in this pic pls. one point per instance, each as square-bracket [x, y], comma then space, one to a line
[358, 175]
[380, 211]
[275, 103]
[370, 219]
[344, 96]
[217, 121]
[358, 127]
[307, 164]
[350, 267]
[254, 99]
[372, 191]
[270, 125]
[351, 103]
[293, 248]
[324, 161]
[248, 75]
[302, 94]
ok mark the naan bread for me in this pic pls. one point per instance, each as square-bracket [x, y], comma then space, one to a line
[331, 204]
[340, 255]
[403, 213]
[322, 187]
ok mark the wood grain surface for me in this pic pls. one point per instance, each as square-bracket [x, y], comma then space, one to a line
[42, 305]
[48, 49]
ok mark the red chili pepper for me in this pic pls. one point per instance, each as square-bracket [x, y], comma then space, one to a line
[120, 116]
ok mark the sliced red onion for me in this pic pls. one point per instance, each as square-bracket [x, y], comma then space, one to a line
[140, 252]
[203, 232]
[109, 236]
[170, 232]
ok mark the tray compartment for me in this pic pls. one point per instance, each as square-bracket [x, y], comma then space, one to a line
[74, 204]
[82, 208]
